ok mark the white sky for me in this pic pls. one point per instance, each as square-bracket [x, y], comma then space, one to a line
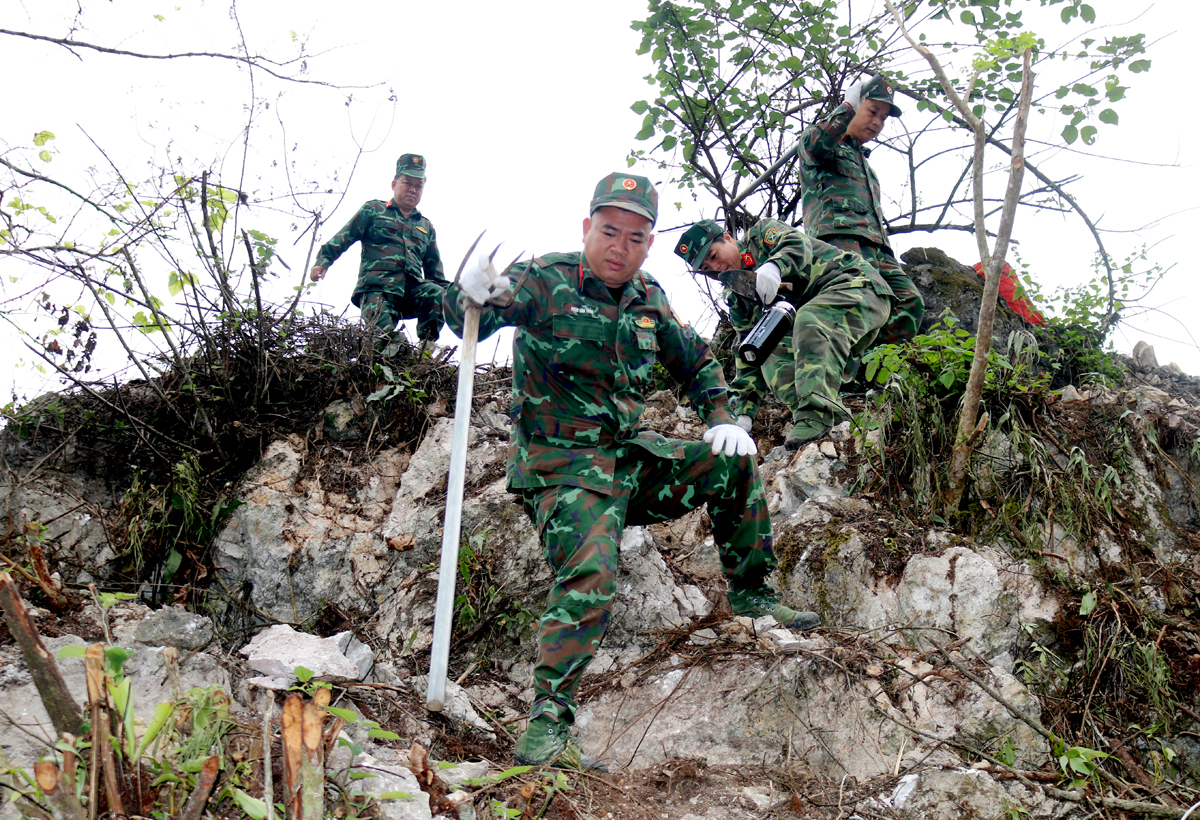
[519, 108]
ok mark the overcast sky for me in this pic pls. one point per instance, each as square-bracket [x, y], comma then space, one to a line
[520, 108]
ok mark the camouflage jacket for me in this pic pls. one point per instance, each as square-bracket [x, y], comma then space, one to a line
[840, 192]
[582, 364]
[392, 245]
[809, 266]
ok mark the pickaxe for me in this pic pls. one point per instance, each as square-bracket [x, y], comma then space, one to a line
[443, 618]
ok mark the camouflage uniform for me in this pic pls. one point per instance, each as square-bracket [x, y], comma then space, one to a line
[842, 206]
[840, 305]
[400, 275]
[582, 362]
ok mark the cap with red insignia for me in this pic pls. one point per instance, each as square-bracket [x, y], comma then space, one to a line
[693, 245]
[411, 165]
[878, 88]
[630, 193]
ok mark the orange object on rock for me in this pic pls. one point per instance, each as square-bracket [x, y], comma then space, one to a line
[1014, 294]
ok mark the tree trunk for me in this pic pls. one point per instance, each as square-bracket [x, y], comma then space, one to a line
[65, 714]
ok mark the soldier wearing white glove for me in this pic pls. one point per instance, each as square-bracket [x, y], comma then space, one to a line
[745, 422]
[481, 282]
[766, 282]
[732, 439]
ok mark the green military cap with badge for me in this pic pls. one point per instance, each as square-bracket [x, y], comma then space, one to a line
[630, 193]
[411, 165]
[693, 245]
[878, 88]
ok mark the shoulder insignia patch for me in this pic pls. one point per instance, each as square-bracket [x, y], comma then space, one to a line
[644, 321]
[772, 236]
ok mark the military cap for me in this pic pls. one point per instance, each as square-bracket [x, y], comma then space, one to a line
[411, 165]
[693, 245]
[627, 192]
[878, 88]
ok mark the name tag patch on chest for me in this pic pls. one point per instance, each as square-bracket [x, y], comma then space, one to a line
[581, 310]
[644, 322]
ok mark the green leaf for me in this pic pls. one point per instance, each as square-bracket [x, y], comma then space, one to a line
[72, 651]
[44, 156]
[42, 137]
[1138, 66]
[383, 734]
[967, 17]
[1087, 13]
[1109, 116]
[1087, 604]
[358, 774]
[252, 806]
[1070, 134]
[303, 674]
[1088, 134]
[395, 796]
[639, 107]
[669, 142]
[345, 714]
[1085, 89]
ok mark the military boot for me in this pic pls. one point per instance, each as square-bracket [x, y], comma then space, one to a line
[805, 431]
[763, 601]
[547, 742]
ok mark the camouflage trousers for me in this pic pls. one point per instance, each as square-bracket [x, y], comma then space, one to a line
[420, 300]
[909, 307]
[581, 535]
[834, 327]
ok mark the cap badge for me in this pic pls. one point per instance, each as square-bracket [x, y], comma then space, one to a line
[683, 248]
[628, 184]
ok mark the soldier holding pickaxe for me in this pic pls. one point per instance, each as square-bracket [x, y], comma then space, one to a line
[590, 327]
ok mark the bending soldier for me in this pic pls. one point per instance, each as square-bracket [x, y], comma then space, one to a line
[400, 275]
[841, 303]
[590, 327]
[840, 195]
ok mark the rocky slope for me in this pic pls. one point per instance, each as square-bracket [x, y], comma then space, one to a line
[959, 670]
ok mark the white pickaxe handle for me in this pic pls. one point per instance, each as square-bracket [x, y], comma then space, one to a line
[443, 618]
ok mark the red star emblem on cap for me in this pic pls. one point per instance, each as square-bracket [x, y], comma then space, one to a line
[629, 185]
[683, 248]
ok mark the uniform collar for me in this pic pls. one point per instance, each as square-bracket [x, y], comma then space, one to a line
[853, 143]
[747, 257]
[416, 214]
[638, 281]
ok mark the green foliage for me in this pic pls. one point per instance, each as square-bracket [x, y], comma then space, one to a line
[397, 384]
[1078, 764]
[481, 600]
[737, 82]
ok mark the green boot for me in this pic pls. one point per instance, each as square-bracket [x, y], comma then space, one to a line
[546, 742]
[764, 601]
[805, 431]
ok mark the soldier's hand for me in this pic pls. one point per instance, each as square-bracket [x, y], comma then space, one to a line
[766, 282]
[854, 93]
[481, 282]
[317, 273]
[730, 438]
[745, 422]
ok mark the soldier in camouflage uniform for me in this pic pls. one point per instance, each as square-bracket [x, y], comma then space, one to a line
[400, 275]
[841, 195]
[590, 328]
[841, 302]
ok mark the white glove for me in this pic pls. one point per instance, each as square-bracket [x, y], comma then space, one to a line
[854, 93]
[745, 422]
[730, 438]
[481, 281]
[766, 282]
